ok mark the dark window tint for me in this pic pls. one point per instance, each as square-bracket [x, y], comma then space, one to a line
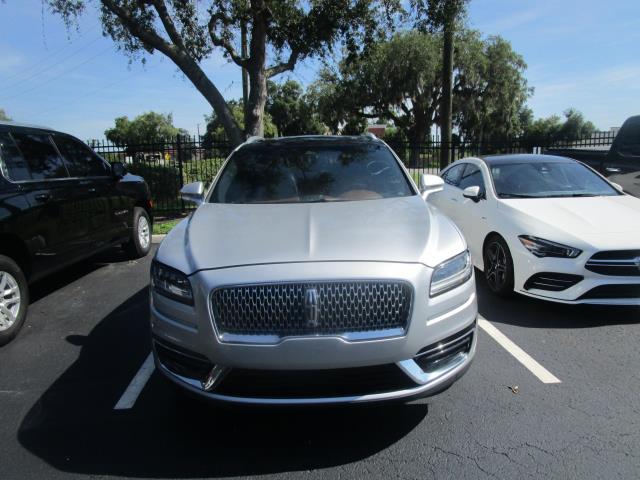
[12, 165]
[553, 179]
[310, 173]
[80, 160]
[472, 177]
[452, 176]
[44, 162]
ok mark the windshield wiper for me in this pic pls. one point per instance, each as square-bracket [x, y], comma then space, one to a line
[516, 195]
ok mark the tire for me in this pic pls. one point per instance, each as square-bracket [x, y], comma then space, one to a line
[140, 242]
[498, 266]
[14, 299]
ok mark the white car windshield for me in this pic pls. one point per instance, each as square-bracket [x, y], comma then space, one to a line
[307, 173]
[548, 179]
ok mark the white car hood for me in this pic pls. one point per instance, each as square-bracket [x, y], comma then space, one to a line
[609, 222]
[402, 229]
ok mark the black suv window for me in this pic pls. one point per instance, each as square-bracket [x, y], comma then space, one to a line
[472, 177]
[80, 160]
[452, 176]
[12, 165]
[41, 156]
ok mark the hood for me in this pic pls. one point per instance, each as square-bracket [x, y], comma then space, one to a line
[390, 230]
[594, 219]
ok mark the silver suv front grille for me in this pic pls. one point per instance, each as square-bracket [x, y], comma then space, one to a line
[318, 308]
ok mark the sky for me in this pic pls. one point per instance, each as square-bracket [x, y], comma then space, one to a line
[580, 53]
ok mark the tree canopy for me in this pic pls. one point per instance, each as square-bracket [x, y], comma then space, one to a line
[3, 115]
[554, 128]
[215, 130]
[280, 34]
[400, 81]
[150, 127]
[293, 111]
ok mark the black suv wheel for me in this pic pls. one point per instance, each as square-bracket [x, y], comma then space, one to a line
[140, 242]
[14, 299]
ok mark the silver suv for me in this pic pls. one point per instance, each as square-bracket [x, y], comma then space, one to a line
[313, 272]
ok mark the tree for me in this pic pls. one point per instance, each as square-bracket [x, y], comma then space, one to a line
[3, 115]
[293, 112]
[443, 15]
[490, 89]
[150, 127]
[489, 86]
[215, 130]
[554, 128]
[187, 32]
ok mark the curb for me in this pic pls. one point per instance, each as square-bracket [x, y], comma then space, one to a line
[158, 238]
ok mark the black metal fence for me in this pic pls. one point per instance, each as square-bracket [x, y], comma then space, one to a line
[167, 166]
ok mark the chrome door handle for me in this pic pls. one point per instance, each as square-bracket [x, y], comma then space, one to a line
[613, 170]
[92, 190]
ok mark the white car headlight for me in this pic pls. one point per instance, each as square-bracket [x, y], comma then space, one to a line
[171, 283]
[546, 248]
[450, 274]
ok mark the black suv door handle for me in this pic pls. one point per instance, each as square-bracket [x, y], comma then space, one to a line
[92, 190]
[613, 170]
[43, 197]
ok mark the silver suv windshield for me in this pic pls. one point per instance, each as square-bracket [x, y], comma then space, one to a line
[308, 173]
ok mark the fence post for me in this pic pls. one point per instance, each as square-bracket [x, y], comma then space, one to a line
[181, 179]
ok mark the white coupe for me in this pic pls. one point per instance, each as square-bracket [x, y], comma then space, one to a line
[545, 226]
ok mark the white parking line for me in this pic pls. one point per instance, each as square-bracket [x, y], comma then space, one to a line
[130, 395]
[523, 357]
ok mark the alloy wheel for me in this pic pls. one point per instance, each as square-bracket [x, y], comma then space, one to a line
[496, 268]
[144, 232]
[9, 300]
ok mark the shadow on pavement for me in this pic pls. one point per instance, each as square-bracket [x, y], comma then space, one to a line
[525, 311]
[70, 274]
[74, 428]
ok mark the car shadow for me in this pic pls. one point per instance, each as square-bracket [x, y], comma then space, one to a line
[74, 428]
[70, 274]
[530, 312]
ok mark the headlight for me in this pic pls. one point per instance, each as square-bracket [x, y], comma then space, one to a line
[171, 283]
[450, 274]
[545, 248]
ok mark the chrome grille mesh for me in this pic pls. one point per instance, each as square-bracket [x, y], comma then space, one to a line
[279, 308]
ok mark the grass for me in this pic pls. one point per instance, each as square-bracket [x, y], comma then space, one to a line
[164, 226]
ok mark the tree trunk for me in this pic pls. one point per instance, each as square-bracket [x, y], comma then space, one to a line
[209, 91]
[254, 110]
[446, 113]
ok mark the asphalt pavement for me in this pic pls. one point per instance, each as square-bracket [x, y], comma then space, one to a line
[87, 338]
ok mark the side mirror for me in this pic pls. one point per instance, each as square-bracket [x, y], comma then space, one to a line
[118, 169]
[430, 184]
[473, 193]
[193, 192]
[617, 186]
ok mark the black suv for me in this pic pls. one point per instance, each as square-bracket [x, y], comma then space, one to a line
[59, 203]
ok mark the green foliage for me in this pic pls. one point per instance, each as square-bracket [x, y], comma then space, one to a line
[554, 128]
[215, 132]
[150, 127]
[293, 112]
[490, 89]
[3, 115]
[400, 81]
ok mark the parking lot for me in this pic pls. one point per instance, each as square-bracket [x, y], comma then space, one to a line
[553, 392]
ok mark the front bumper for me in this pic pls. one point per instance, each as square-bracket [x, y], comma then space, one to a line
[593, 288]
[433, 320]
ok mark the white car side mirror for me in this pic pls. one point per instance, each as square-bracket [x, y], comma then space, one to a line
[193, 192]
[473, 193]
[430, 184]
[617, 186]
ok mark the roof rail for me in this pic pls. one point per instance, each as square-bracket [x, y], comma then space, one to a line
[254, 138]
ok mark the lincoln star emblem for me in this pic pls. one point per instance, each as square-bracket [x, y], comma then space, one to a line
[637, 262]
[311, 307]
